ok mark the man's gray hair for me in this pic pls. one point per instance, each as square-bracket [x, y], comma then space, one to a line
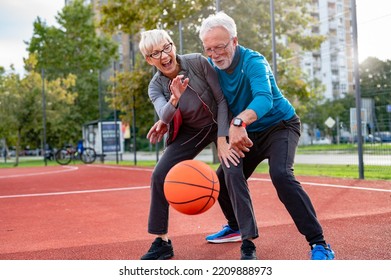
[219, 19]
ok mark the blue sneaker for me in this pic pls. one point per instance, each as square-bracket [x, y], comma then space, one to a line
[227, 234]
[319, 252]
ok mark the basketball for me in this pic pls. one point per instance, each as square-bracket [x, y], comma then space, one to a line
[191, 187]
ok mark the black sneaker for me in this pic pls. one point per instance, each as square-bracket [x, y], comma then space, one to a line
[248, 250]
[160, 250]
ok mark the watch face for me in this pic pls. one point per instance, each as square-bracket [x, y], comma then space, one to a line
[237, 122]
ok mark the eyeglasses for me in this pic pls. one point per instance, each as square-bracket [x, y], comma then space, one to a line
[217, 50]
[158, 54]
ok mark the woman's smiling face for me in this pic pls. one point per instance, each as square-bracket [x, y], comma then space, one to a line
[163, 57]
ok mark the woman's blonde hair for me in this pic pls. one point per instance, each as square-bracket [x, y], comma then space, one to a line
[151, 38]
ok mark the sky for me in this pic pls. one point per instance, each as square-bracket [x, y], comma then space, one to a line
[17, 17]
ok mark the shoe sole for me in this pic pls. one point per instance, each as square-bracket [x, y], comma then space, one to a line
[225, 240]
[166, 257]
[248, 259]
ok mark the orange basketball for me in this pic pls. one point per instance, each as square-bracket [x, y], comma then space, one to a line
[191, 187]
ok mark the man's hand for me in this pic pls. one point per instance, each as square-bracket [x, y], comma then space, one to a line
[157, 131]
[239, 141]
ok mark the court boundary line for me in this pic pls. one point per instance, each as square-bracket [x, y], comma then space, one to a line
[73, 192]
[66, 169]
[267, 180]
[122, 167]
[147, 187]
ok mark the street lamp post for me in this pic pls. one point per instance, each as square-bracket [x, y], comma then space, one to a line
[43, 117]
[273, 39]
[358, 94]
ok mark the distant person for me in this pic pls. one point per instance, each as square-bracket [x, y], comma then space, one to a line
[265, 126]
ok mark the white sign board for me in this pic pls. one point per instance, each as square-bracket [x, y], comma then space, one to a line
[330, 122]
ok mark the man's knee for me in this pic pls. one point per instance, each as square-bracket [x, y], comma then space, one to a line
[281, 176]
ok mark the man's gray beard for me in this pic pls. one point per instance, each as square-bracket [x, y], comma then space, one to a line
[221, 68]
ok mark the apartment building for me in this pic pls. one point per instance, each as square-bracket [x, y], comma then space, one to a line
[333, 63]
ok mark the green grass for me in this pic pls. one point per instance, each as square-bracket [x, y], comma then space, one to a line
[340, 171]
[345, 148]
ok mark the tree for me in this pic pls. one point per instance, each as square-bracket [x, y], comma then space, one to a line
[21, 107]
[74, 48]
[131, 16]
[375, 77]
[131, 94]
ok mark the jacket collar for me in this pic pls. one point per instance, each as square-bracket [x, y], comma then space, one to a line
[235, 61]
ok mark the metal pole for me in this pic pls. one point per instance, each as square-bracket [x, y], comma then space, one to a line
[217, 5]
[44, 116]
[134, 129]
[358, 93]
[115, 118]
[180, 37]
[100, 115]
[134, 109]
[274, 56]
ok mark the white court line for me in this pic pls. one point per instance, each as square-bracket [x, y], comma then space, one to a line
[122, 167]
[329, 185]
[145, 187]
[73, 192]
[66, 169]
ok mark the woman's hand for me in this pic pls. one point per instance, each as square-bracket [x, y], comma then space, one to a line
[225, 154]
[157, 131]
[177, 87]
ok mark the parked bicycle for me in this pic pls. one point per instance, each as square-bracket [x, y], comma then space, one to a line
[68, 153]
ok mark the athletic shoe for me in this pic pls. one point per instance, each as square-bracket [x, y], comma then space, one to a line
[160, 250]
[320, 252]
[248, 250]
[227, 234]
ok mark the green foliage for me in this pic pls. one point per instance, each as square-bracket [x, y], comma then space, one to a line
[375, 83]
[131, 96]
[131, 16]
[73, 48]
[21, 107]
[375, 77]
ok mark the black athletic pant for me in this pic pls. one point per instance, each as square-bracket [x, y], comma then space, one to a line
[188, 144]
[277, 144]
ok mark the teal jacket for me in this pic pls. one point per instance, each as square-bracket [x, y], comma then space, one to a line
[251, 85]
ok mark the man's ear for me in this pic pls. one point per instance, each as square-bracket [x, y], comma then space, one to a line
[235, 41]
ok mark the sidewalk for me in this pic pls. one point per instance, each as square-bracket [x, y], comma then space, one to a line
[206, 155]
[342, 159]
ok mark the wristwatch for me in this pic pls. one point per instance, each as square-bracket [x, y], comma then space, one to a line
[238, 122]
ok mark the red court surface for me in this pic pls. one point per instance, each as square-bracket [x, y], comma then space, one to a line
[100, 212]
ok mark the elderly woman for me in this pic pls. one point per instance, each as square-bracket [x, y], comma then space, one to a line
[185, 88]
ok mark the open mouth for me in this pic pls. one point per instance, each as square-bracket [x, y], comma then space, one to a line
[167, 64]
[218, 62]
